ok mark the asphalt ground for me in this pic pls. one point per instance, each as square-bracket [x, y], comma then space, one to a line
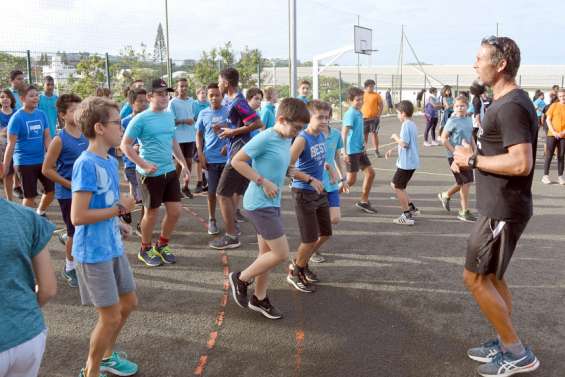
[392, 301]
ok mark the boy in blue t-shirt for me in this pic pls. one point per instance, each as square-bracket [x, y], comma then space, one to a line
[267, 114]
[61, 155]
[28, 138]
[104, 274]
[48, 104]
[304, 91]
[407, 163]
[200, 104]
[458, 129]
[269, 153]
[210, 148]
[355, 156]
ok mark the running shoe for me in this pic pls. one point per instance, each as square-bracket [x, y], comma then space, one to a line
[70, 277]
[62, 236]
[434, 143]
[486, 352]
[187, 193]
[317, 257]
[83, 374]
[239, 216]
[413, 210]
[150, 257]
[444, 199]
[297, 280]
[138, 230]
[119, 365]
[466, 215]
[365, 207]
[310, 275]
[238, 289]
[166, 254]
[377, 153]
[198, 188]
[545, 180]
[264, 307]
[212, 227]
[404, 220]
[426, 144]
[19, 192]
[506, 364]
[561, 180]
[225, 242]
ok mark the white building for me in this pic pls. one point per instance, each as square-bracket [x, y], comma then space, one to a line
[58, 70]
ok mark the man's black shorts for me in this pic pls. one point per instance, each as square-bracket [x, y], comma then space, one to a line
[371, 125]
[491, 245]
[231, 182]
[313, 214]
[159, 189]
[188, 149]
[214, 174]
[464, 177]
[29, 175]
[401, 178]
[357, 161]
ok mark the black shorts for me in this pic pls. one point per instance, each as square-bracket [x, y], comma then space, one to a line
[371, 125]
[29, 175]
[401, 178]
[313, 213]
[491, 245]
[188, 149]
[160, 189]
[65, 205]
[231, 182]
[213, 177]
[464, 177]
[357, 161]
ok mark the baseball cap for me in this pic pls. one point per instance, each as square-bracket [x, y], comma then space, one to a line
[160, 85]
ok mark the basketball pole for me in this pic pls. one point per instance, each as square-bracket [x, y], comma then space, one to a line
[358, 64]
[292, 47]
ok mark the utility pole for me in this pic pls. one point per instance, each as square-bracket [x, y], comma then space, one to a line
[169, 73]
[292, 61]
[497, 29]
[401, 59]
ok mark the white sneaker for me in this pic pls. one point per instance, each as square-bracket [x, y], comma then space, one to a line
[404, 220]
[435, 143]
[426, 144]
[545, 180]
[561, 180]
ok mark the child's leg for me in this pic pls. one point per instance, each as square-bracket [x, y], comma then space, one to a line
[172, 215]
[8, 189]
[351, 178]
[262, 281]
[128, 303]
[267, 261]
[453, 190]
[148, 221]
[335, 215]
[464, 193]
[369, 176]
[211, 205]
[46, 200]
[103, 337]
[402, 196]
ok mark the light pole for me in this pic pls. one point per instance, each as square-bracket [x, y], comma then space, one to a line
[169, 74]
[292, 46]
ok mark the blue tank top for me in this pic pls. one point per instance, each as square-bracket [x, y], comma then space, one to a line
[311, 160]
[72, 147]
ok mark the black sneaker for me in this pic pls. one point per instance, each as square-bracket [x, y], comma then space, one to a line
[297, 280]
[187, 193]
[264, 307]
[310, 275]
[413, 210]
[198, 188]
[205, 188]
[225, 242]
[365, 207]
[19, 192]
[378, 154]
[238, 289]
[239, 216]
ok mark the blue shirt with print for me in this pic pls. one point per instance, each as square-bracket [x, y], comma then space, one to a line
[333, 144]
[458, 129]
[240, 114]
[29, 129]
[48, 106]
[353, 119]
[183, 109]
[71, 149]
[270, 156]
[101, 241]
[212, 143]
[408, 156]
[312, 159]
[198, 106]
[539, 104]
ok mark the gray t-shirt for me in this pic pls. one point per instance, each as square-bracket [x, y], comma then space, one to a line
[24, 234]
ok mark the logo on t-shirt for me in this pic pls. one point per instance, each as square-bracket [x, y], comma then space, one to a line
[34, 129]
[318, 152]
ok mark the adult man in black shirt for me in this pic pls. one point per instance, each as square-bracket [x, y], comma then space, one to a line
[504, 164]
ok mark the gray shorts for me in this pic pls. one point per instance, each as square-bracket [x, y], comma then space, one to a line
[24, 359]
[131, 177]
[102, 284]
[267, 221]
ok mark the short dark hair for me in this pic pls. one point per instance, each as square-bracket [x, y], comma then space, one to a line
[293, 110]
[504, 48]
[103, 92]
[462, 98]
[212, 85]
[10, 95]
[304, 82]
[91, 111]
[15, 73]
[48, 79]
[354, 92]
[134, 93]
[477, 88]
[317, 105]
[252, 92]
[28, 89]
[405, 107]
[433, 90]
[231, 75]
[65, 100]
[369, 82]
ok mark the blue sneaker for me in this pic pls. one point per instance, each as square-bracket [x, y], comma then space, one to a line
[506, 364]
[150, 257]
[166, 254]
[70, 277]
[83, 374]
[486, 352]
[118, 364]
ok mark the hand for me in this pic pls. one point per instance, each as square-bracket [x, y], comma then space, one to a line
[317, 185]
[346, 158]
[128, 202]
[218, 127]
[344, 187]
[224, 150]
[557, 136]
[388, 154]
[455, 168]
[185, 174]
[203, 161]
[462, 153]
[394, 136]
[125, 230]
[269, 188]
[226, 133]
[148, 167]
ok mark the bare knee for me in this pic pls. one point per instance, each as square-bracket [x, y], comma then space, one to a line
[111, 319]
[128, 303]
[472, 280]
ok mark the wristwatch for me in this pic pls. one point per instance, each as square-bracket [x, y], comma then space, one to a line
[121, 209]
[259, 181]
[472, 161]
[310, 180]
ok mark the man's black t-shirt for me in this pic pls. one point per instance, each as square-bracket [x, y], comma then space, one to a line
[509, 120]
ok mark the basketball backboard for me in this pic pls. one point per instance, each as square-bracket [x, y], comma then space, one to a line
[363, 40]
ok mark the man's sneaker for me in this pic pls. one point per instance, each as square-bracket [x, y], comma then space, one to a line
[404, 220]
[198, 188]
[466, 215]
[138, 230]
[118, 365]
[413, 210]
[212, 227]
[317, 257]
[486, 352]
[298, 281]
[264, 307]
[187, 193]
[365, 207]
[19, 192]
[150, 257]
[506, 364]
[83, 374]
[205, 188]
[225, 242]
[62, 236]
[444, 199]
[426, 144]
[70, 277]
[166, 254]
[561, 180]
[238, 289]
[545, 180]
[239, 216]
[310, 275]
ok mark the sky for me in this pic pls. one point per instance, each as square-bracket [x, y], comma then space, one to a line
[441, 32]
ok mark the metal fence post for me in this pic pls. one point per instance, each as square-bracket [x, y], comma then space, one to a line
[108, 80]
[562, 81]
[425, 81]
[457, 87]
[28, 53]
[259, 74]
[376, 82]
[339, 86]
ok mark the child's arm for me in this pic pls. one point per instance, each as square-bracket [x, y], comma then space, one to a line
[44, 277]
[399, 141]
[81, 214]
[340, 168]
[239, 163]
[344, 132]
[200, 149]
[295, 150]
[48, 169]
[9, 153]
[445, 140]
[46, 138]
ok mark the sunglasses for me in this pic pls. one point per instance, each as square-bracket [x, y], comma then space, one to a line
[493, 41]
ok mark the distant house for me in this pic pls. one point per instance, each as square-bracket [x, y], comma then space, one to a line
[58, 70]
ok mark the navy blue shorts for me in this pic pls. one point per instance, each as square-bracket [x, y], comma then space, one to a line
[334, 199]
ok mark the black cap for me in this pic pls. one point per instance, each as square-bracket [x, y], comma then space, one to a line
[160, 85]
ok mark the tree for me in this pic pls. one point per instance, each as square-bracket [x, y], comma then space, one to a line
[205, 70]
[248, 66]
[90, 75]
[160, 47]
[8, 63]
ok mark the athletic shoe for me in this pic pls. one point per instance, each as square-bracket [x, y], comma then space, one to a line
[365, 207]
[310, 275]
[83, 374]
[317, 257]
[138, 230]
[205, 188]
[166, 254]
[212, 227]
[62, 236]
[238, 289]
[239, 218]
[225, 242]
[70, 277]
[545, 180]
[19, 192]
[378, 154]
[198, 188]
[187, 193]
[150, 257]
[506, 364]
[434, 143]
[466, 215]
[264, 307]
[404, 220]
[237, 229]
[426, 144]
[118, 365]
[561, 180]
[486, 352]
[444, 199]
[413, 210]
[297, 280]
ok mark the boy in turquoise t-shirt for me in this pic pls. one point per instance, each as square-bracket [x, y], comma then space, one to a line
[48, 104]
